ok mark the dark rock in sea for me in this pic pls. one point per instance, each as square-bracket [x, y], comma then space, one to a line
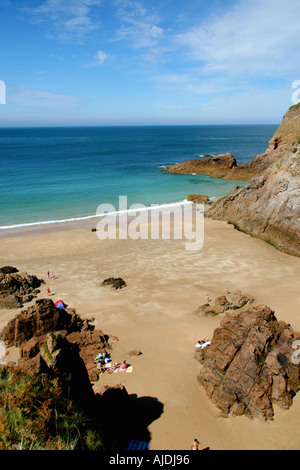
[218, 166]
[248, 366]
[17, 289]
[115, 282]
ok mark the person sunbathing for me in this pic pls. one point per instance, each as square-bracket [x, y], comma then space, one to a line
[101, 366]
[113, 368]
[123, 366]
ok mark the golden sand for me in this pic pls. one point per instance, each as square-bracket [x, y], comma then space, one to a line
[154, 314]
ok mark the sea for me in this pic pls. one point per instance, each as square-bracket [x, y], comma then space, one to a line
[62, 174]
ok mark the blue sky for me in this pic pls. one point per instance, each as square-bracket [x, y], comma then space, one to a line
[129, 62]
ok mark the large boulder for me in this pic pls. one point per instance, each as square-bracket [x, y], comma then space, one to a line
[248, 366]
[198, 198]
[17, 288]
[114, 282]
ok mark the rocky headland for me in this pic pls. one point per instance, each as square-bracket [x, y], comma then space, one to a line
[225, 165]
[269, 206]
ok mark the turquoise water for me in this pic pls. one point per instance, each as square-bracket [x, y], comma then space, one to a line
[55, 174]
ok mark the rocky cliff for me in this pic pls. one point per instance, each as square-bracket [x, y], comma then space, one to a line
[269, 206]
[30, 331]
[58, 344]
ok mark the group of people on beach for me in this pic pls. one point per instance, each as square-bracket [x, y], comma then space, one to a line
[103, 362]
[208, 299]
[50, 276]
[202, 343]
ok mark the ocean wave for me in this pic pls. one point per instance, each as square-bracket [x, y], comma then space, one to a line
[95, 216]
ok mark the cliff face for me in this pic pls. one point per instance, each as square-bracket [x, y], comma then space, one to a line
[269, 206]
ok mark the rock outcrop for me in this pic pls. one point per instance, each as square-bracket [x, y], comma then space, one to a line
[269, 206]
[218, 166]
[222, 304]
[248, 366]
[61, 358]
[225, 165]
[65, 355]
[198, 198]
[17, 289]
[30, 329]
[114, 282]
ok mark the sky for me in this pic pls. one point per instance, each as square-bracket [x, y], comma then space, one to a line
[148, 62]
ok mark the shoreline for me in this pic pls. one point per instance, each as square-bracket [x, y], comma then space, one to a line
[89, 222]
[154, 314]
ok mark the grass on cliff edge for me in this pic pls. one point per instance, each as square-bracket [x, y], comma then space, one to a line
[35, 416]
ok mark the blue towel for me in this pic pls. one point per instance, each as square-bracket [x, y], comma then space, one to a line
[136, 445]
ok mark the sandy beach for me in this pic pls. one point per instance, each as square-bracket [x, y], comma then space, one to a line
[154, 314]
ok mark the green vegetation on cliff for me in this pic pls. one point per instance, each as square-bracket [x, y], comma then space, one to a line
[34, 415]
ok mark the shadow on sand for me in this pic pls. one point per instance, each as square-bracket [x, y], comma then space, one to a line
[126, 417]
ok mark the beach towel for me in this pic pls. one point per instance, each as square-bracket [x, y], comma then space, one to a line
[129, 369]
[204, 345]
[136, 445]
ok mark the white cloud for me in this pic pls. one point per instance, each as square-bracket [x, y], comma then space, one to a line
[24, 96]
[253, 37]
[73, 19]
[262, 107]
[139, 26]
[102, 57]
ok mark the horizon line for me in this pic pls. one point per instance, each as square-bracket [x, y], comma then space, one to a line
[133, 125]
